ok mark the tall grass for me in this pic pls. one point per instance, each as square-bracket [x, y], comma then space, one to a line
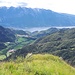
[37, 65]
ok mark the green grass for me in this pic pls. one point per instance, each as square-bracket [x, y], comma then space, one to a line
[20, 39]
[2, 57]
[37, 65]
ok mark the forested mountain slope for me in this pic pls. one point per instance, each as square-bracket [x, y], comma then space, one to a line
[61, 43]
[6, 35]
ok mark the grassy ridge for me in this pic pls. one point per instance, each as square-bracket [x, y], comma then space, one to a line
[36, 65]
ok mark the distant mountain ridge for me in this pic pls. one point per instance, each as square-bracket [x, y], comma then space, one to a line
[28, 17]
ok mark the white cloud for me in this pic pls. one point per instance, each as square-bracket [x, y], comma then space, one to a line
[14, 3]
[65, 6]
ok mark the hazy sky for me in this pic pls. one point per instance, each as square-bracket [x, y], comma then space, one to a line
[64, 6]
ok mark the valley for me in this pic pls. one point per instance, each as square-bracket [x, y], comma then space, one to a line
[60, 42]
[37, 37]
[21, 39]
[36, 41]
[53, 50]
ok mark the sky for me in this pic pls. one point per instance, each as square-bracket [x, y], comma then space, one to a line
[62, 6]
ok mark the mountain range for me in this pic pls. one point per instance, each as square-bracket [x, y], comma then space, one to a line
[22, 17]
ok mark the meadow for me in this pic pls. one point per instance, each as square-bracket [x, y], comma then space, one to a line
[36, 64]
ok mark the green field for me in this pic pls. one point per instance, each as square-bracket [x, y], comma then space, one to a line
[18, 44]
[36, 65]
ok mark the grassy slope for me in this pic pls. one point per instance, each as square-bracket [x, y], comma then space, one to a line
[37, 65]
